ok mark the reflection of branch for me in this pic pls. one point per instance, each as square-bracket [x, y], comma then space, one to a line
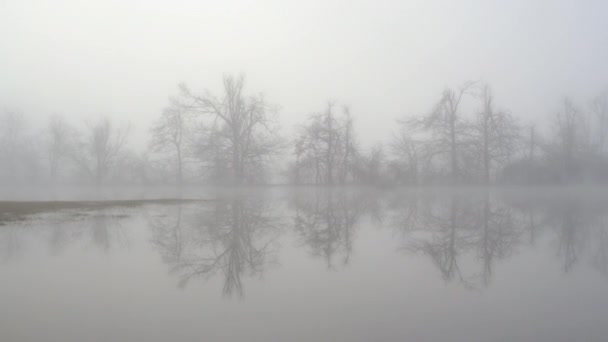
[106, 230]
[567, 241]
[224, 239]
[499, 236]
[168, 237]
[578, 223]
[444, 242]
[600, 255]
[10, 244]
[459, 227]
[99, 227]
[325, 223]
[407, 213]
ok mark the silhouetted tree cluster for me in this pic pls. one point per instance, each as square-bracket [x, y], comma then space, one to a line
[325, 149]
[233, 138]
[237, 135]
[574, 150]
[446, 145]
[96, 152]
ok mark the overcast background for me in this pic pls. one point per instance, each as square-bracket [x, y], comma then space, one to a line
[387, 59]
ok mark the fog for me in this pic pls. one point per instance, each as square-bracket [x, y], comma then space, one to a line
[307, 171]
[386, 61]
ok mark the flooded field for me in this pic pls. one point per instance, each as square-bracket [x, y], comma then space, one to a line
[309, 265]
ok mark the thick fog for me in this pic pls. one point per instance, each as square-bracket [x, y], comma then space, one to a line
[424, 170]
[387, 62]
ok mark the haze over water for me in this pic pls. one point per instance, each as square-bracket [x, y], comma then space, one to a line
[313, 264]
[321, 170]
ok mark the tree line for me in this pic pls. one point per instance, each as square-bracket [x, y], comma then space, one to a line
[466, 137]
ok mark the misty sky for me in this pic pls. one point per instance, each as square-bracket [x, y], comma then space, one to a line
[387, 59]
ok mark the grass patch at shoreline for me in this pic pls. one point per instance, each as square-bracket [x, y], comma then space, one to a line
[17, 210]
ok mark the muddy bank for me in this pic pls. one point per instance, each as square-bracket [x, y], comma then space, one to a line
[18, 210]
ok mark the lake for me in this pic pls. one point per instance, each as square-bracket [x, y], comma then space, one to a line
[310, 264]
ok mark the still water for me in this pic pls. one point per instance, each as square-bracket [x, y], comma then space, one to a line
[313, 265]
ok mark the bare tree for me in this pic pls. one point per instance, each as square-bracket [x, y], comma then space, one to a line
[599, 111]
[369, 167]
[533, 142]
[325, 149]
[241, 126]
[331, 137]
[406, 153]
[60, 144]
[495, 135]
[571, 141]
[349, 146]
[12, 140]
[100, 149]
[570, 129]
[446, 128]
[170, 134]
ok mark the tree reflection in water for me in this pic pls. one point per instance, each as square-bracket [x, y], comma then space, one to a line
[232, 237]
[599, 246]
[486, 228]
[443, 230]
[102, 229]
[464, 235]
[325, 221]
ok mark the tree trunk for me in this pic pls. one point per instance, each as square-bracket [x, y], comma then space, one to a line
[179, 167]
[454, 162]
[486, 149]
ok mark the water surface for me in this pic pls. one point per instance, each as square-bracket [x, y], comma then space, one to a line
[313, 265]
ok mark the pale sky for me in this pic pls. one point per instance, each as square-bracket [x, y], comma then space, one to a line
[386, 59]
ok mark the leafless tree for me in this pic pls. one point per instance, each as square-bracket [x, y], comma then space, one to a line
[495, 135]
[570, 129]
[241, 127]
[12, 142]
[533, 143]
[368, 168]
[447, 128]
[571, 144]
[349, 146]
[170, 134]
[100, 148]
[599, 111]
[405, 165]
[325, 148]
[60, 144]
